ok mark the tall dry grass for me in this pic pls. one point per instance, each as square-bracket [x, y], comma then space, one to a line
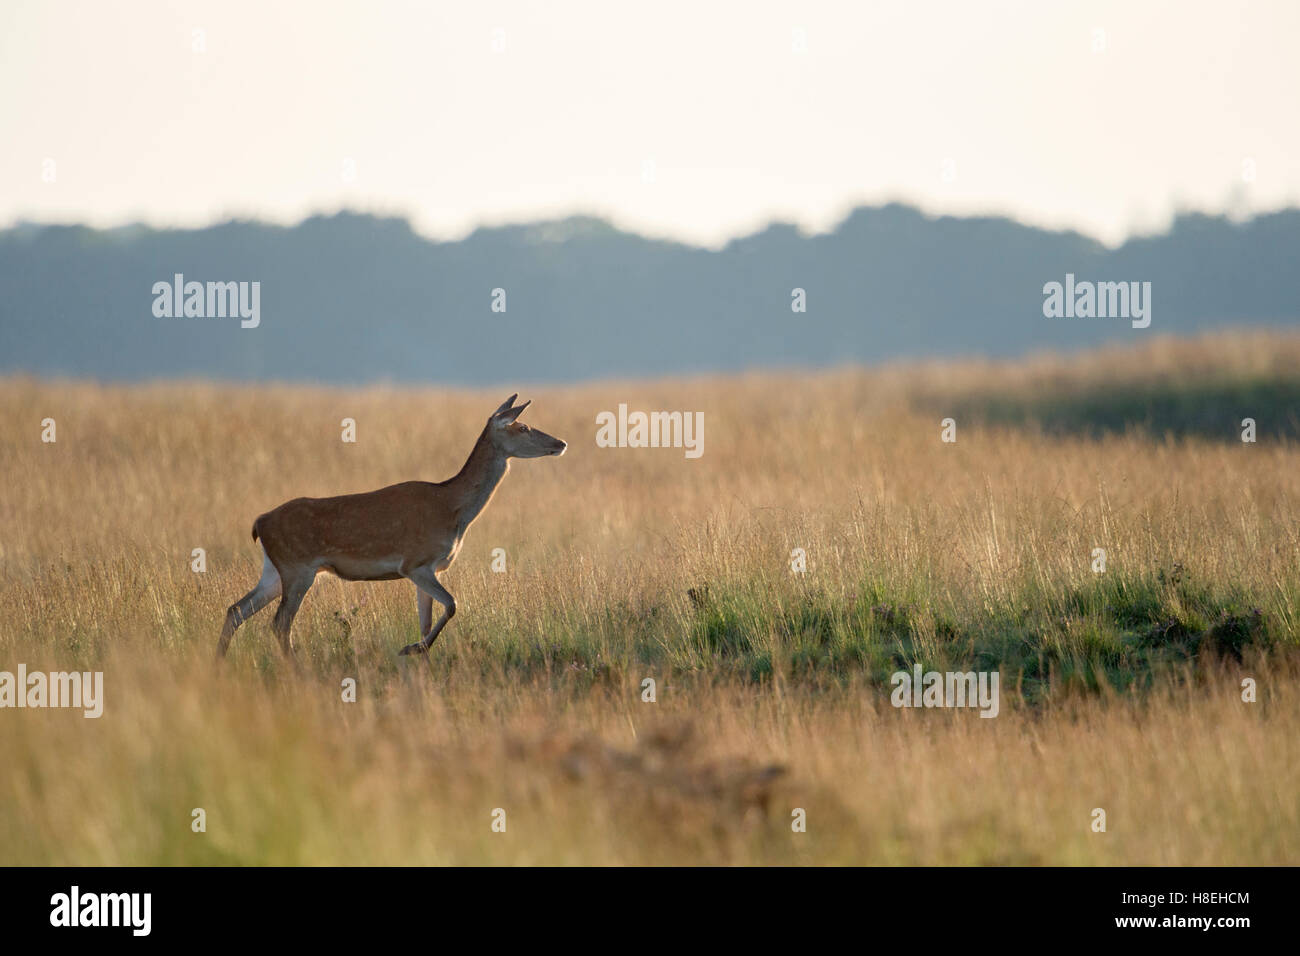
[1120, 691]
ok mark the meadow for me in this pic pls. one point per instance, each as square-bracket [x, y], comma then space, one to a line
[1121, 689]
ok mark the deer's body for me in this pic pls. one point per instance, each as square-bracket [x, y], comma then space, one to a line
[411, 530]
[370, 536]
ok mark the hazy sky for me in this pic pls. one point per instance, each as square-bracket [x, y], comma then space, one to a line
[698, 120]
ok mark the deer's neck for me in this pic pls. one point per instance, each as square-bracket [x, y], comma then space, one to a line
[474, 484]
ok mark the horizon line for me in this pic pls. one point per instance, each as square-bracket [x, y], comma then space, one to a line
[408, 216]
[1033, 358]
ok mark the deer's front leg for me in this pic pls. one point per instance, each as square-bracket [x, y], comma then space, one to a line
[430, 590]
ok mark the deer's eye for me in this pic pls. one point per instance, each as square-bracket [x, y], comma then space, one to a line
[523, 428]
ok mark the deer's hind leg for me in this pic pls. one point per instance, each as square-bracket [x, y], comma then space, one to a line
[296, 586]
[264, 592]
[424, 606]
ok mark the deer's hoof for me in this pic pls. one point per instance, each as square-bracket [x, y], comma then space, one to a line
[416, 648]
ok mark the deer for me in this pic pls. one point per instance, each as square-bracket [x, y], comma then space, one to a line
[411, 530]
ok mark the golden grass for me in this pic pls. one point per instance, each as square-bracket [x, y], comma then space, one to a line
[530, 701]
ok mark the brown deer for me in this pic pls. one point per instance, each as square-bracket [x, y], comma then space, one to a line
[411, 530]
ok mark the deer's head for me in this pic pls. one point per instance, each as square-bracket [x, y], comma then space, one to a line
[516, 440]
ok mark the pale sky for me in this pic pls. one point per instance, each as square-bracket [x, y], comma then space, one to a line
[696, 120]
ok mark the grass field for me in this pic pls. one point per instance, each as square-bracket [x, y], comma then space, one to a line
[1121, 690]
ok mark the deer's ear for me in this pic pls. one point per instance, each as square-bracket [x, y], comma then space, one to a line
[514, 413]
[505, 406]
